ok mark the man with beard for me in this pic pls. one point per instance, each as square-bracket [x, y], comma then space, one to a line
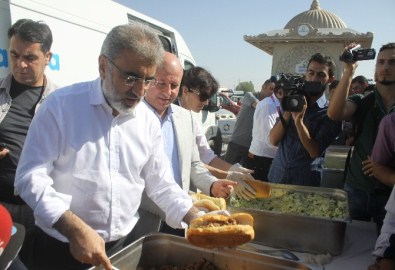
[302, 137]
[367, 195]
[84, 176]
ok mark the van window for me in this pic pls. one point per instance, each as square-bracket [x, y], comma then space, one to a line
[188, 65]
[166, 44]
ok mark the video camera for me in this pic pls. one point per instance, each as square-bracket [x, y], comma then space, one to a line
[295, 89]
[357, 54]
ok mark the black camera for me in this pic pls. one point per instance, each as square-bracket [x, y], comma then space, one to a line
[357, 54]
[295, 90]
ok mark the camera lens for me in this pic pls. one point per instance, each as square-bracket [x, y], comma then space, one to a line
[293, 103]
[347, 57]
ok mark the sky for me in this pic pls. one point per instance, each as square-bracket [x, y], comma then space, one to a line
[214, 30]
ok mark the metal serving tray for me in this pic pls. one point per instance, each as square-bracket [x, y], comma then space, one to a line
[299, 233]
[154, 250]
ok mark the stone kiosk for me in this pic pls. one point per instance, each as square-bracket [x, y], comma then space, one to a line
[315, 30]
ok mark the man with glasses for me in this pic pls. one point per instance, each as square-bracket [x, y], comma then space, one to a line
[84, 177]
[178, 136]
[197, 87]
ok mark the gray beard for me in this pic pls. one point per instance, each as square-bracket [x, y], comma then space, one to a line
[112, 100]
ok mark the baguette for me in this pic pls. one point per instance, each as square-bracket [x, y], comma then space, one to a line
[217, 231]
[213, 205]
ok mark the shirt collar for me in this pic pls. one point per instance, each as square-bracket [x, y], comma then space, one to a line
[168, 113]
[322, 102]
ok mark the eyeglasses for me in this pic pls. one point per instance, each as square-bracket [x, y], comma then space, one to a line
[202, 96]
[129, 79]
[162, 85]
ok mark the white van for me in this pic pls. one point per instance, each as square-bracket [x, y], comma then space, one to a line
[79, 28]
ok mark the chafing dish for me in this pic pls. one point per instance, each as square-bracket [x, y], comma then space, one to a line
[158, 249]
[299, 233]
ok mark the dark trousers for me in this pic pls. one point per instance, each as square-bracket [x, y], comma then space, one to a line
[43, 252]
[260, 165]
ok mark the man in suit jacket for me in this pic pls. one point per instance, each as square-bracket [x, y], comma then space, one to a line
[178, 131]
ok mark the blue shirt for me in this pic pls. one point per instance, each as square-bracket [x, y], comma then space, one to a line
[292, 163]
[169, 141]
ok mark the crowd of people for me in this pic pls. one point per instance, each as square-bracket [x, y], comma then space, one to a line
[86, 182]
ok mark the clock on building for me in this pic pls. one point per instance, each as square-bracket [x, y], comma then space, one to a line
[303, 30]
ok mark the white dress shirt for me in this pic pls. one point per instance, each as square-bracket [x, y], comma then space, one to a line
[205, 152]
[265, 116]
[78, 156]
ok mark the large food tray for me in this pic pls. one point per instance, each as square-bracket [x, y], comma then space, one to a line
[158, 249]
[299, 233]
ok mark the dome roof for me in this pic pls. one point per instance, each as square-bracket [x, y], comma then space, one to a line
[317, 18]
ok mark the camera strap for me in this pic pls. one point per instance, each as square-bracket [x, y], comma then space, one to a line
[283, 122]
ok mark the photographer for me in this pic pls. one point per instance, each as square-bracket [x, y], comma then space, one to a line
[303, 136]
[367, 195]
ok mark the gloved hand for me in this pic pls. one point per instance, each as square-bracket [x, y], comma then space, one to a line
[242, 189]
[237, 176]
[217, 212]
[238, 168]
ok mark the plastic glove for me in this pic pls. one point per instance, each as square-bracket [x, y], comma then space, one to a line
[217, 212]
[242, 189]
[238, 168]
[237, 176]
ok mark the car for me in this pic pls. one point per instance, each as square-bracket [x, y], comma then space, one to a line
[228, 104]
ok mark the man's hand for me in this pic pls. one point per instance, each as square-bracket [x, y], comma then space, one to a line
[367, 166]
[86, 245]
[383, 264]
[350, 66]
[298, 116]
[217, 212]
[222, 188]
[4, 152]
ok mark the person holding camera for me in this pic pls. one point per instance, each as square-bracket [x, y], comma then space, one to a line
[303, 134]
[367, 195]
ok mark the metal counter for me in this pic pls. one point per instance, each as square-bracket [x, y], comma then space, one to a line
[155, 250]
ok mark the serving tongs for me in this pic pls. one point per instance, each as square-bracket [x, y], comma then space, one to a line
[262, 189]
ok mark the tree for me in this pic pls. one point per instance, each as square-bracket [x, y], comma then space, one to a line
[245, 86]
